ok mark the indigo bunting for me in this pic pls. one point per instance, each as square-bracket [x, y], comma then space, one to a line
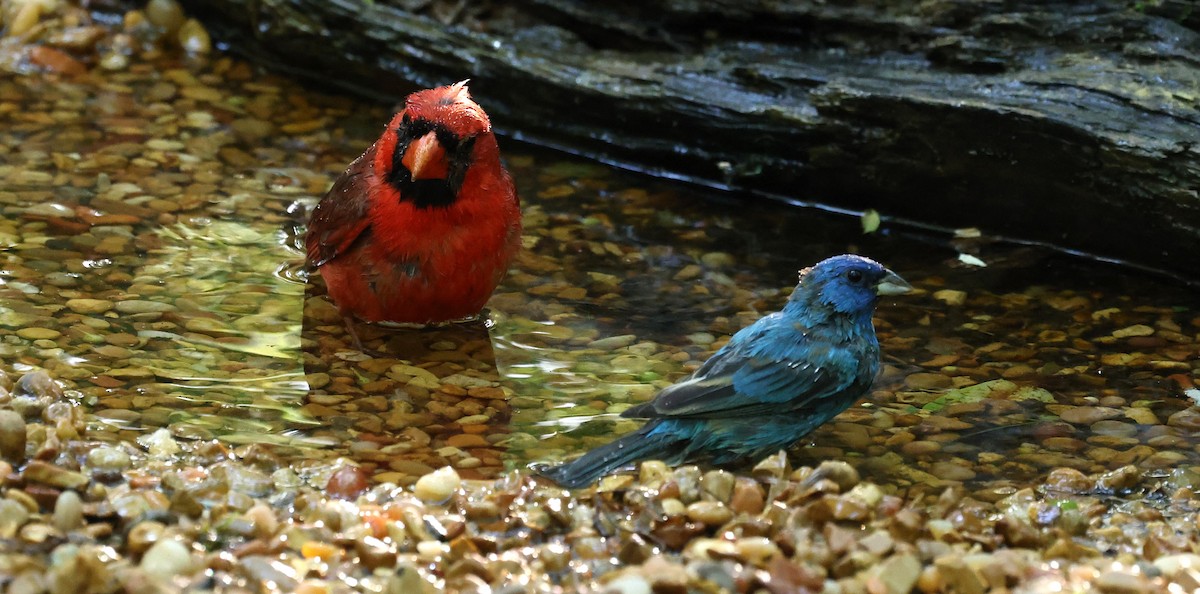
[770, 385]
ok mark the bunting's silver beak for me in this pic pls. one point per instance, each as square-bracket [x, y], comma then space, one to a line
[892, 284]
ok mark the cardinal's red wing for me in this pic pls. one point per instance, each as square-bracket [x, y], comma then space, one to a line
[340, 218]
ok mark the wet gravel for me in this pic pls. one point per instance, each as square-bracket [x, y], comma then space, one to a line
[180, 409]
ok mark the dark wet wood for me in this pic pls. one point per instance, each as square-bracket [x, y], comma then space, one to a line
[1076, 123]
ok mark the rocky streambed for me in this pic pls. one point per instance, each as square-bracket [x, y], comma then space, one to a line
[180, 407]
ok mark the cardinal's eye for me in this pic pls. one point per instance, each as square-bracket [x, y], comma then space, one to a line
[854, 276]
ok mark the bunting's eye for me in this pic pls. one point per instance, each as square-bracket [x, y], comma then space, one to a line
[854, 276]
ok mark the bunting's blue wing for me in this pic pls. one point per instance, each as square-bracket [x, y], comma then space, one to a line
[754, 376]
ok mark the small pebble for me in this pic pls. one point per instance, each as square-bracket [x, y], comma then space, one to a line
[194, 39]
[437, 486]
[108, 459]
[12, 436]
[13, 515]
[165, 14]
[166, 559]
[53, 475]
[38, 333]
[950, 297]
[68, 511]
[144, 535]
[756, 550]
[89, 306]
[348, 482]
[628, 584]
[39, 385]
[748, 497]
[26, 16]
[711, 513]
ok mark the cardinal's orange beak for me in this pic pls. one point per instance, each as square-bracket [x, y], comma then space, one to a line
[426, 159]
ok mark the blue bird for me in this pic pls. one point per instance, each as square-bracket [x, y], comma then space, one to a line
[770, 385]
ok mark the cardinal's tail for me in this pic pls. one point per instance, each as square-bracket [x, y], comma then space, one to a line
[653, 441]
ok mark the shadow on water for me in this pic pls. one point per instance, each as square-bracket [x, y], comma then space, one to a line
[192, 314]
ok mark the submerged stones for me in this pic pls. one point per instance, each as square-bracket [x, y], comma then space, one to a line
[180, 401]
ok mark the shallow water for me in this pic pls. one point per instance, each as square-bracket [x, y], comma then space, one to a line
[149, 263]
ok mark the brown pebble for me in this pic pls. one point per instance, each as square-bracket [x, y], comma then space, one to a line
[1187, 419]
[674, 532]
[927, 381]
[1125, 477]
[921, 448]
[374, 553]
[348, 482]
[838, 471]
[467, 440]
[748, 497]
[56, 61]
[55, 476]
[1064, 444]
[1086, 415]
[1068, 480]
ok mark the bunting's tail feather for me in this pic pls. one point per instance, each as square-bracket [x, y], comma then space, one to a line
[649, 442]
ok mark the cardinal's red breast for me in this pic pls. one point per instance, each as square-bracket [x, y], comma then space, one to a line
[421, 227]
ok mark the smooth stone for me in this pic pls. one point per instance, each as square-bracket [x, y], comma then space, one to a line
[1135, 330]
[718, 484]
[898, 573]
[711, 513]
[950, 471]
[55, 476]
[167, 15]
[12, 436]
[1170, 565]
[38, 384]
[950, 296]
[438, 485]
[89, 306]
[1086, 415]
[68, 511]
[628, 584]
[38, 333]
[467, 440]
[13, 515]
[1120, 582]
[927, 381]
[1114, 428]
[144, 535]
[756, 550]
[167, 559]
[613, 342]
[139, 306]
[748, 497]
[316, 381]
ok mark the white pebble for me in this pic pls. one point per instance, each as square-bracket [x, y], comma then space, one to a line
[628, 584]
[68, 511]
[167, 559]
[160, 444]
[438, 485]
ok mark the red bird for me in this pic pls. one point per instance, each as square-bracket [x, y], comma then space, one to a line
[421, 227]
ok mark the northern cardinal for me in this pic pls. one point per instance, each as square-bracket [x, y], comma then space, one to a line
[421, 227]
